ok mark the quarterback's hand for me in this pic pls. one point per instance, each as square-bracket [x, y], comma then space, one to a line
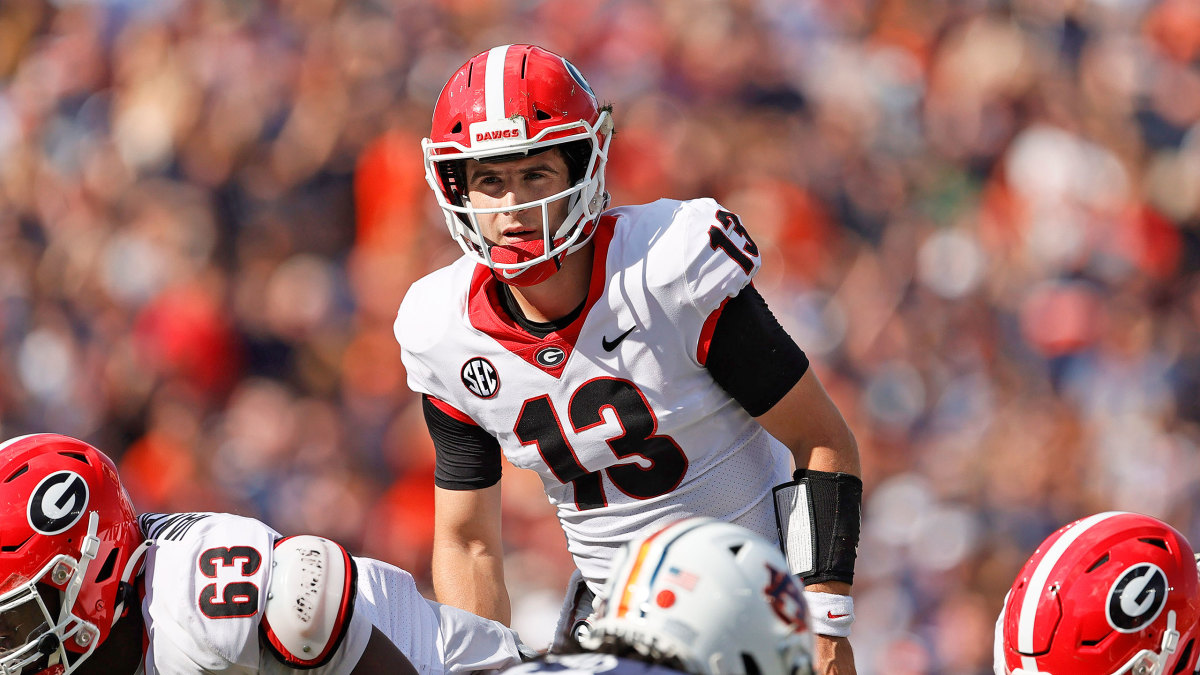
[834, 656]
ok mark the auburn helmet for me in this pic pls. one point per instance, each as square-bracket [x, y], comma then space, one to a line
[1111, 593]
[69, 543]
[706, 596]
[509, 102]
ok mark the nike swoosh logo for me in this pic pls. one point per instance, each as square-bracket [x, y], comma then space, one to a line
[609, 346]
[836, 616]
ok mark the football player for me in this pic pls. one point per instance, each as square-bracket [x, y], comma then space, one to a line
[1111, 594]
[699, 596]
[91, 587]
[621, 354]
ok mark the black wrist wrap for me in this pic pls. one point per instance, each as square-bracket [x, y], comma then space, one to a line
[835, 502]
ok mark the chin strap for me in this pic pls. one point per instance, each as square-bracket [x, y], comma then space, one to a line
[1170, 640]
[131, 568]
[87, 553]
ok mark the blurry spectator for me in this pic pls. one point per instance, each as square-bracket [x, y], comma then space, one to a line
[983, 217]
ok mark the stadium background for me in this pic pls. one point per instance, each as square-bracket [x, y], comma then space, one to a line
[981, 220]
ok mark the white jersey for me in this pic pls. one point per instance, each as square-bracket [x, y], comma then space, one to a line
[205, 581]
[589, 664]
[616, 412]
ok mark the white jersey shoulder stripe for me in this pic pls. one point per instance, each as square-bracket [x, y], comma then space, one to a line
[1037, 583]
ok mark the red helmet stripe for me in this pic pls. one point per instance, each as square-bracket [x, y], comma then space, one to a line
[1037, 583]
[493, 84]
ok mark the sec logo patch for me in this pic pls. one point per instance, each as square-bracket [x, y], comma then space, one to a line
[479, 376]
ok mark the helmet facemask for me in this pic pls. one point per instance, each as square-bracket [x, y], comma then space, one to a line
[586, 198]
[72, 545]
[513, 101]
[40, 600]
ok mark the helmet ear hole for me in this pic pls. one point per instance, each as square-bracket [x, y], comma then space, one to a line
[576, 154]
[1185, 659]
[750, 664]
[1100, 561]
[110, 563]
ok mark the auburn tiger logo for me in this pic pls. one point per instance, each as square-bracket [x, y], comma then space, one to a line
[786, 599]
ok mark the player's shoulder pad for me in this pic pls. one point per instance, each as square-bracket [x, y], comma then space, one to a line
[310, 602]
[428, 306]
[704, 246]
[170, 527]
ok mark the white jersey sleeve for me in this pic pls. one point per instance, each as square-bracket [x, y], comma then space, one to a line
[721, 257]
[700, 259]
[206, 579]
[436, 638]
[423, 321]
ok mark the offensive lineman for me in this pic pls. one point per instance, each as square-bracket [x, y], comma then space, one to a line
[1114, 593]
[623, 355]
[90, 587]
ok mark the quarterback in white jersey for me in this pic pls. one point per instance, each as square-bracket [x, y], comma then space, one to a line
[90, 587]
[623, 355]
[616, 413]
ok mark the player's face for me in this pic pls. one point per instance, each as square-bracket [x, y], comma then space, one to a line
[518, 181]
[19, 624]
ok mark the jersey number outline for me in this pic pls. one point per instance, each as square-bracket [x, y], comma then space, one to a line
[538, 424]
[718, 239]
[238, 598]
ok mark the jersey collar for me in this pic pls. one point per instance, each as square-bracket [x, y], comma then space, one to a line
[486, 315]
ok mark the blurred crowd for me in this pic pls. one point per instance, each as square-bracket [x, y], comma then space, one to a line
[980, 218]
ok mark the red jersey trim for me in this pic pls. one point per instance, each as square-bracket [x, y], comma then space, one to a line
[486, 315]
[706, 333]
[451, 411]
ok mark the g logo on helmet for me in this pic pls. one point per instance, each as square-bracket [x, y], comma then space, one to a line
[58, 502]
[1136, 598]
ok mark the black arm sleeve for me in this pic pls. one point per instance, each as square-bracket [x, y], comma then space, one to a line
[468, 458]
[751, 356]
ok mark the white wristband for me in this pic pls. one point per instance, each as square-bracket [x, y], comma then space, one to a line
[830, 614]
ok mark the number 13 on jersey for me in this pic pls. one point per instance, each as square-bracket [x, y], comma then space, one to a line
[718, 238]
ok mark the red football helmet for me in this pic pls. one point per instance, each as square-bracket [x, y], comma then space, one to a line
[509, 102]
[1110, 594]
[69, 542]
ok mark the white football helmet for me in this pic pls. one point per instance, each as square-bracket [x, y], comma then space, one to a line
[714, 596]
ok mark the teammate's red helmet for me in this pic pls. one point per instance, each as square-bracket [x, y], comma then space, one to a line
[1111, 593]
[508, 102]
[69, 542]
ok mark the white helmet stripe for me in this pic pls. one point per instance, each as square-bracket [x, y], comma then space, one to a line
[493, 83]
[1037, 584]
[18, 439]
